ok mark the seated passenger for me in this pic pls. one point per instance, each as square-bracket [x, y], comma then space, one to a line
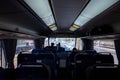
[59, 48]
[52, 44]
[74, 50]
[51, 48]
[73, 53]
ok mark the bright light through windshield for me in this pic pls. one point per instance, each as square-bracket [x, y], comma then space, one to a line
[67, 43]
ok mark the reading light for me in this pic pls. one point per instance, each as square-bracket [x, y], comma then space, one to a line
[42, 9]
[94, 8]
[74, 27]
[53, 27]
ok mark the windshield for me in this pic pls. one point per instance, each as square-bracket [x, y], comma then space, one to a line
[67, 43]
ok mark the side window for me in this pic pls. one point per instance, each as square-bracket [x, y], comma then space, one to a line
[46, 42]
[106, 46]
[2, 56]
[23, 46]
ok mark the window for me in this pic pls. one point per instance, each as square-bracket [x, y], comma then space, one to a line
[23, 46]
[43, 10]
[106, 46]
[79, 44]
[67, 43]
[2, 56]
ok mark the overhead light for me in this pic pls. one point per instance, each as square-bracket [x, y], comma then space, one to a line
[94, 8]
[53, 27]
[42, 9]
[74, 27]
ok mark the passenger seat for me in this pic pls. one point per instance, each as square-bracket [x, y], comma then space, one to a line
[33, 72]
[82, 62]
[2, 74]
[103, 72]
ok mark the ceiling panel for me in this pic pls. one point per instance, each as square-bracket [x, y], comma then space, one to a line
[16, 17]
[66, 12]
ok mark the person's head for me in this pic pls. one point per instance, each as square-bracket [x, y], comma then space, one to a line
[74, 49]
[52, 44]
[59, 44]
[27, 44]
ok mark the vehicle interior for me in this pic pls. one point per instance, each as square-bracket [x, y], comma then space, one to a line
[59, 39]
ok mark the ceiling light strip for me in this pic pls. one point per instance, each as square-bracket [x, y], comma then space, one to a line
[42, 9]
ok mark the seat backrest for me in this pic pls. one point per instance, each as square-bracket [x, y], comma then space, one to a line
[61, 49]
[2, 74]
[26, 58]
[9, 74]
[33, 72]
[37, 51]
[104, 59]
[102, 72]
[84, 60]
[71, 60]
[51, 49]
[91, 52]
[47, 58]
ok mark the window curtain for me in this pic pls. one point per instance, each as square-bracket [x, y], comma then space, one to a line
[88, 44]
[39, 43]
[10, 49]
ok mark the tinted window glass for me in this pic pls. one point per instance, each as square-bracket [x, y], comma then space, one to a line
[106, 46]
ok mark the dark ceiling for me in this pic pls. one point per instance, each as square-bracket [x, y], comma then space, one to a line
[16, 17]
[66, 12]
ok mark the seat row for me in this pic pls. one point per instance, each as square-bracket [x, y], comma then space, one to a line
[48, 59]
[83, 66]
[81, 61]
[26, 72]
